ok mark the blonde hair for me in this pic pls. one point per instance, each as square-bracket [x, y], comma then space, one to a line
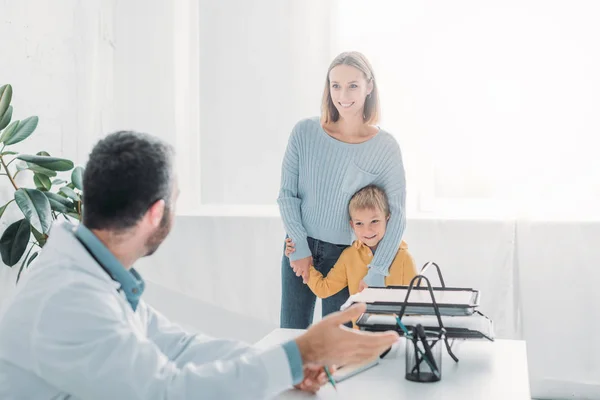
[371, 109]
[371, 197]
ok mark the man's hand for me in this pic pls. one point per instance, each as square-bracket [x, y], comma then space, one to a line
[301, 267]
[314, 378]
[329, 343]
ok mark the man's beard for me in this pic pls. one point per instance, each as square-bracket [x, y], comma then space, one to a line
[159, 235]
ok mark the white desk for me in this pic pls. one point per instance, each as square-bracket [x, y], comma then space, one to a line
[485, 371]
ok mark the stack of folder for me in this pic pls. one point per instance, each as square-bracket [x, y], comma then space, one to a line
[435, 308]
[476, 326]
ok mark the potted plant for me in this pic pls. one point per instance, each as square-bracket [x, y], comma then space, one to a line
[50, 197]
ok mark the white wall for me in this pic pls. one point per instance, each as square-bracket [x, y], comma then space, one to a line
[144, 67]
[262, 68]
[86, 69]
[58, 58]
[558, 277]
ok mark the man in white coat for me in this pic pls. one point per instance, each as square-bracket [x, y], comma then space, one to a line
[77, 328]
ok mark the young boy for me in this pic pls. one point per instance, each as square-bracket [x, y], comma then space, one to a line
[369, 212]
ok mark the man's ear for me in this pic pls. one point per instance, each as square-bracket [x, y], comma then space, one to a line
[156, 212]
[351, 224]
[388, 217]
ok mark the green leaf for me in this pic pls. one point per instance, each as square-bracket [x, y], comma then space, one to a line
[9, 131]
[74, 215]
[58, 182]
[42, 182]
[6, 118]
[23, 263]
[24, 130]
[70, 193]
[40, 170]
[59, 203]
[42, 153]
[9, 153]
[58, 198]
[3, 208]
[5, 98]
[35, 207]
[33, 256]
[40, 237]
[13, 242]
[58, 207]
[53, 163]
[77, 177]
[21, 165]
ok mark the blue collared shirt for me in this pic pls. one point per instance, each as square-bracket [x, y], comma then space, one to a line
[130, 280]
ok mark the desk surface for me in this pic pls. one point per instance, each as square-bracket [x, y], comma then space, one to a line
[485, 370]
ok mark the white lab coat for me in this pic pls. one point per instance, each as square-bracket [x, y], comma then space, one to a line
[68, 332]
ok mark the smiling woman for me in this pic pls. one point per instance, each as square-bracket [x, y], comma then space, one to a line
[328, 160]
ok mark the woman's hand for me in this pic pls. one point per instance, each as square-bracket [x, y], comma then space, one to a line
[290, 247]
[302, 267]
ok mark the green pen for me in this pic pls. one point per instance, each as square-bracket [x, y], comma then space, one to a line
[404, 329]
[330, 377]
[409, 337]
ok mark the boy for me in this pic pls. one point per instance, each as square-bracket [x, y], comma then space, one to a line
[369, 212]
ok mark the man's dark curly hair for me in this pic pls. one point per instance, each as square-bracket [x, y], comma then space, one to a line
[126, 173]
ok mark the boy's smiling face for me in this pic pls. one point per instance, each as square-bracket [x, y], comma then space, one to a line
[369, 225]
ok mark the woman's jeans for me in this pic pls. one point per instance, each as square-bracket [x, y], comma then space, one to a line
[297, 300]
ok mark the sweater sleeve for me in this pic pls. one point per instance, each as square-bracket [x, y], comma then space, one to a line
[336, 279]
[402, 270]
[393, 181]
[289, 200]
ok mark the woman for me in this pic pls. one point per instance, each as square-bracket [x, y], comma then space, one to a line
[326, 161]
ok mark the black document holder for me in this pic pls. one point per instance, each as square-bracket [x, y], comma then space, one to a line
[419, 278]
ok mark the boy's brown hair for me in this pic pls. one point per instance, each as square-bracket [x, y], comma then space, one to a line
[371, 197]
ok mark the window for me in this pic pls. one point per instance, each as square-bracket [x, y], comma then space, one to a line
[494, 104]
[258, 71]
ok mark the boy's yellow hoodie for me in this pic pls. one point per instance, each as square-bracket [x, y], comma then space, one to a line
[351, 268]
